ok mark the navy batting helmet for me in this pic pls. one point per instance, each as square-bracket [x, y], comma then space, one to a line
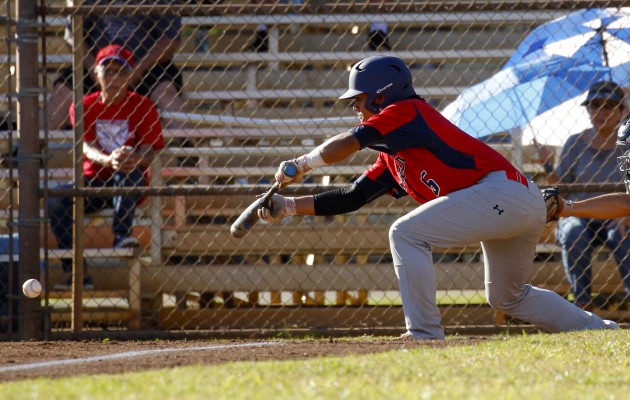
[623, 143]
[381, 75]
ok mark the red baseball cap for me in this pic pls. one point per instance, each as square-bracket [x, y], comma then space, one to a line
[115, 52]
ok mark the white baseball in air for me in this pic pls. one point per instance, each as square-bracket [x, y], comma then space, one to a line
[32, 288]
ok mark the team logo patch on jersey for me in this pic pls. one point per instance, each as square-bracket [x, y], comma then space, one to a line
[400, 170]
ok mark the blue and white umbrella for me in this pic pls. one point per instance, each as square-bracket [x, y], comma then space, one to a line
[548, 74]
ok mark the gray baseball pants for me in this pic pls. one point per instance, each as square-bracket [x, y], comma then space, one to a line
[507, 217]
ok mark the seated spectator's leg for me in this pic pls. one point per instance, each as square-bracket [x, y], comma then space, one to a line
[61, 218]
[576, 240]
[125, 206]
[621, 251]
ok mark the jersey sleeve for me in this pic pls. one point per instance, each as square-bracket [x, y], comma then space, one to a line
[89, 131]
[366, 135]
[401, 126]
[378, 180]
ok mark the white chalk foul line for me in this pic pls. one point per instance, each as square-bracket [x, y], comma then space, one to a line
[128, 354]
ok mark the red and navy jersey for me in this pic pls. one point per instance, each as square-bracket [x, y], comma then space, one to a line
[425, 154]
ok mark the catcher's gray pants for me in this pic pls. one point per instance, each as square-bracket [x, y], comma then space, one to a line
[507, 217]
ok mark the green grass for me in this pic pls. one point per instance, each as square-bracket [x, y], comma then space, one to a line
[580, 365]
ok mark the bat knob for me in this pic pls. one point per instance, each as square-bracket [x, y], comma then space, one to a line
[290, 170]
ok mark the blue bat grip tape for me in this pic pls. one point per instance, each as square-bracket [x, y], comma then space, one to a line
[290, 170]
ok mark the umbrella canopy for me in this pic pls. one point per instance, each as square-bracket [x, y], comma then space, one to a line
[552, 68]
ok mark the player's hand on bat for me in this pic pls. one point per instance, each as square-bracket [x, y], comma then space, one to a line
[283, 179]
[275, 210]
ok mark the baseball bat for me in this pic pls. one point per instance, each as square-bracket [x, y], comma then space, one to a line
[248, 218]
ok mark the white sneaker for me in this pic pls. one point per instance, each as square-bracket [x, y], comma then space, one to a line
[608, 324]
[405, 337]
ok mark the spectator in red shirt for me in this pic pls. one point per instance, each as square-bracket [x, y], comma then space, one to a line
[122, 134]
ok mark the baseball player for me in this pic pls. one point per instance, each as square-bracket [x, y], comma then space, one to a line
[467, 192]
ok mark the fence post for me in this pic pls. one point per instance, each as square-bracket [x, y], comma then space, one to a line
[78, 211]
[28, 158]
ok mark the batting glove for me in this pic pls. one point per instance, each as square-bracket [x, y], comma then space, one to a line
[283, 179]
[278, 208]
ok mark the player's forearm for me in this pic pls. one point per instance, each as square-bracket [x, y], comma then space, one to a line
[305, 205]
[333, 150]
[608, 206]
[339, 147]
[333, 202]
[95, 155]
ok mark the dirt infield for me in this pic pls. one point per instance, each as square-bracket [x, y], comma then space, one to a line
[53, 359]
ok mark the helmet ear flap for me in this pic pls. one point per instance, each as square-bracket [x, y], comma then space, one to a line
[374, 102]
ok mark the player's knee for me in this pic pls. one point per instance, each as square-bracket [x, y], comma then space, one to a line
[394, 232]
[503, 301]
[405, 241]
[398, 232]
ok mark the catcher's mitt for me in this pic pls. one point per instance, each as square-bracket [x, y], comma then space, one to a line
[551, 201]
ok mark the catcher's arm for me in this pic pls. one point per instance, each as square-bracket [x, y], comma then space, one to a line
[607, 206]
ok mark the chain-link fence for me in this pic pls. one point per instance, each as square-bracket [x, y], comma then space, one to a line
[241, 86]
